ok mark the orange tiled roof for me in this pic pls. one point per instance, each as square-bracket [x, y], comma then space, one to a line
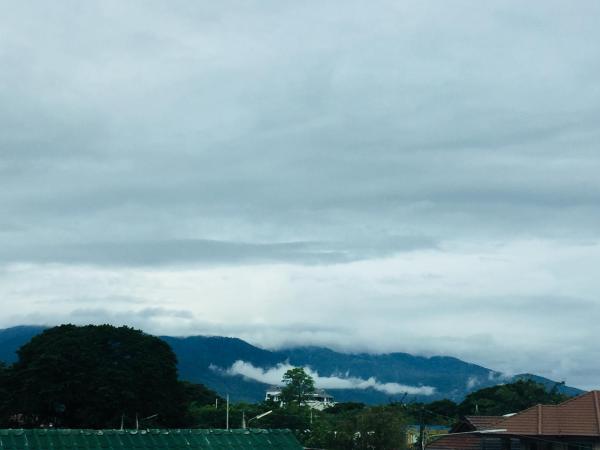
[456, 442]
[579, 416]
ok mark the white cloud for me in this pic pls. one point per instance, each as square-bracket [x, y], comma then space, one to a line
[498, 305]
[275, 374]
[473, 382]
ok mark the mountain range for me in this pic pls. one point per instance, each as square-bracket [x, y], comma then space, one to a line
[235, 367]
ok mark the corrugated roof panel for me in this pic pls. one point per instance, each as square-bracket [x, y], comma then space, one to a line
[20, 441]
[197, 440]
[148, 440]
[112, 441]
[7, 440]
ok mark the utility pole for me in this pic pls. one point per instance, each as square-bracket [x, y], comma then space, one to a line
[227, 414]
[422, 429]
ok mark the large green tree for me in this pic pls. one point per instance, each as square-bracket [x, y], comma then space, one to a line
[5, 393]
[96, 377]
[298, 385]
[380, 428]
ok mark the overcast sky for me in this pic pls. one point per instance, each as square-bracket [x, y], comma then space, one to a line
[418, 176]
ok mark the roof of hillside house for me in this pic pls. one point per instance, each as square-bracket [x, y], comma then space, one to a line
[578, 416]
[196, 439]
[275, 390]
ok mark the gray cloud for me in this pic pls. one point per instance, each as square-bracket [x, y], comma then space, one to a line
[196, 251]
[372, 162]
[350, 134]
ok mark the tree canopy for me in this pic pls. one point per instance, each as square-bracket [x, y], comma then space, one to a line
[96, 376]
[298, 385]
[509, 398]
[5, 380]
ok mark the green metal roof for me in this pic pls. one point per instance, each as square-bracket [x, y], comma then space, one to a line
[195, 439]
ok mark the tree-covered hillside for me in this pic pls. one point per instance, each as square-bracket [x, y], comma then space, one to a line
[105, 377]
[207, 360]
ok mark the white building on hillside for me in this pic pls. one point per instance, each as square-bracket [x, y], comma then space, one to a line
[317, 400]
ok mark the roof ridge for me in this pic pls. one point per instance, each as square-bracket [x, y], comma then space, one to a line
[519, 413]
[597, 408]
[577, 397]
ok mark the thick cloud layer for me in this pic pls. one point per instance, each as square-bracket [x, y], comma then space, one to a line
[275, 374]
[391, 176]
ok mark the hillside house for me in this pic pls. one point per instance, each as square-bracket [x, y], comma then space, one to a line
[317, 400]
[571, 425]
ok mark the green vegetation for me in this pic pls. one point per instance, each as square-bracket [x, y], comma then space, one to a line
[95, 376]
[5, 393]
[509, 398]
[298, 385]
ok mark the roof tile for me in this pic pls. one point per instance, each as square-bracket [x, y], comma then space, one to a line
[456, 442]
[579, 416]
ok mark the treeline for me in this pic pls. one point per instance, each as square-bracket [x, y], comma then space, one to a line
[108, 377]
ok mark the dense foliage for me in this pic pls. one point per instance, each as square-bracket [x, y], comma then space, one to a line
[298, 385]
[509, 398]
[95, 376]
[4, 394]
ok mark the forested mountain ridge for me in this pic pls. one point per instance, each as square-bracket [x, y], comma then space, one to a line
[368, 378]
